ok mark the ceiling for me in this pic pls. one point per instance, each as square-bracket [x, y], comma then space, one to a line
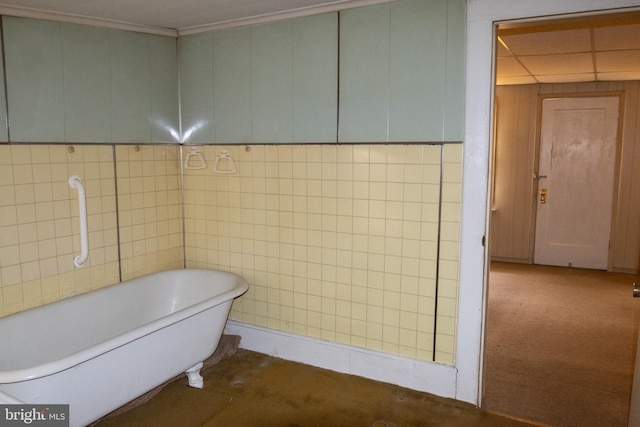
[588, 48]
[591, 48]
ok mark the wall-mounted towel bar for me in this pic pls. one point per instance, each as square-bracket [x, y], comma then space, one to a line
[194, 160]
[76, 182]
[224, 163]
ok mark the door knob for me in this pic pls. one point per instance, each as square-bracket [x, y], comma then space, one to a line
[636, 290]
[543, 195]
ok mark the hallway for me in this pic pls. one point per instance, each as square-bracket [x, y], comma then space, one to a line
[562, 340]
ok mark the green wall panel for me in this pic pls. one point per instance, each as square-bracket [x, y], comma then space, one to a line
[131, 86]
[79, 83]
[35, 90]
[364, 74]
[402, 72]
[271, 82]
[196, 87]
[165, 103]
[315, 78]
[456, 42]
[232, 86]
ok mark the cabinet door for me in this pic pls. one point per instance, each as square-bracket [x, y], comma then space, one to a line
[34, 73]
[401, 72]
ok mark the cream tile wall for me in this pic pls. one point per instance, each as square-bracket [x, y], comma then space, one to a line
[39, 229]
[356, 244]
[150, 209]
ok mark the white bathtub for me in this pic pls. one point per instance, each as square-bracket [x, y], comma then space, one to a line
[102, 349]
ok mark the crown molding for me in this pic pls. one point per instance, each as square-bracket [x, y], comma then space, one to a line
[23, 12]
[335, 6]
[278, 16]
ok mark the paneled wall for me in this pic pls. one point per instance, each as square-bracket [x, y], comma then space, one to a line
[355, 244]
[514, 192]
[134, 226]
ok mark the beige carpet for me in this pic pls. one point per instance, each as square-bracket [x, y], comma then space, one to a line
[560, 344]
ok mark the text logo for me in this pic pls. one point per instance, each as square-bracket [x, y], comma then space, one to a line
[34, 415]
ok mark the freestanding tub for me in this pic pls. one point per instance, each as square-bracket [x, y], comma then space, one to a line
[100, 350]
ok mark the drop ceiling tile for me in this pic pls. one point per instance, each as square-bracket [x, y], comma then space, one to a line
[616, 76]
[502, 51]
[510, 67]
[515, 80]
[617, 37]
[566, 78]
[577, 63]
[627, 60]
[553, 42]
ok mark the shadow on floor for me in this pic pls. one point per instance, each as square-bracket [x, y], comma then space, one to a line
[252, 389]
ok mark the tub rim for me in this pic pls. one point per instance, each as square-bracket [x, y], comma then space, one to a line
[50, 368]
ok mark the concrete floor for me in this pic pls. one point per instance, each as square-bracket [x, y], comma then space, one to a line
[251, 389]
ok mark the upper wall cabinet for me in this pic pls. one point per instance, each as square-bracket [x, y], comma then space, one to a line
[402, 72]
[77, 83]
[269, 83]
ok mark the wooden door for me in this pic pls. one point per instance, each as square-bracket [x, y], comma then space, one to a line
[576, 181]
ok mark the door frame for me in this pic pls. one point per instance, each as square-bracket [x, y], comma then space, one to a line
[616, 167]
[482, 17]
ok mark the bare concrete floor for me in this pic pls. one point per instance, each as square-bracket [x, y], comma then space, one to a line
[251, 389]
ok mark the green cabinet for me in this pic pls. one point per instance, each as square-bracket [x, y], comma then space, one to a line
[402, 72]
[269, 83]
[76, 83]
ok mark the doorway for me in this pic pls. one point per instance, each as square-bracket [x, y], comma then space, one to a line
[517, 241]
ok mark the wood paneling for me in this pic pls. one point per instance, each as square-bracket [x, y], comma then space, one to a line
[515, 161]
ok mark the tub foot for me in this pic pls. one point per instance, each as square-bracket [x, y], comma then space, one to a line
[195, 379]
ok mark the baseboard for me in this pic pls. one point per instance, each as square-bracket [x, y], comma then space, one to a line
[430, 377]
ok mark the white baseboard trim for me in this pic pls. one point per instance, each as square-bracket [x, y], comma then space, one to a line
[429, 377]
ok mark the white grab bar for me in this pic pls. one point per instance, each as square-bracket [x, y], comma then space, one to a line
[76, 182]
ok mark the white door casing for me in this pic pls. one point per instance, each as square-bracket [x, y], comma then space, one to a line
[578, 140]
[482, 16]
